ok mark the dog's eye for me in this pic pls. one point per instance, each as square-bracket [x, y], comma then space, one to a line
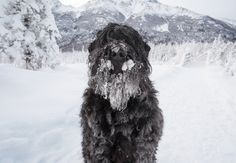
[107, 52]
[128, 56]
[113, 54]
[121, 55]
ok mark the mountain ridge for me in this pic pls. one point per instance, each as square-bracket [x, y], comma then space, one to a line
[158, 23]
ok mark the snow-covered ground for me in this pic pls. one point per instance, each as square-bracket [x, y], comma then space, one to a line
[39, 110]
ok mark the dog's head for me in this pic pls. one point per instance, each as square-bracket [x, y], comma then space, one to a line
[118, 62]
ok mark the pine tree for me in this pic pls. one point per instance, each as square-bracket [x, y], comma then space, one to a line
[30, 37]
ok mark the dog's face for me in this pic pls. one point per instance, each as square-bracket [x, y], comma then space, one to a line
[118, 62]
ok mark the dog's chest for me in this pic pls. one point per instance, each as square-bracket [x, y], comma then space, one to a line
[109, 122]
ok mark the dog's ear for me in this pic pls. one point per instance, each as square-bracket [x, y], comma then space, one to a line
[91, 46]
[147, 47]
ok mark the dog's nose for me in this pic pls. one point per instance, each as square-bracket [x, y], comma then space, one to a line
[117, 60]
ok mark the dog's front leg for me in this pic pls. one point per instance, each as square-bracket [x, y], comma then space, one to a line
[101, 150]
[149, 131]
[96, 147]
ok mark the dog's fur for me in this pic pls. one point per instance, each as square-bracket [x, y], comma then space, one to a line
[121, 122]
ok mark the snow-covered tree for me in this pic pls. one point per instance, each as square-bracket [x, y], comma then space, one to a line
[218, 52]
[29, 34]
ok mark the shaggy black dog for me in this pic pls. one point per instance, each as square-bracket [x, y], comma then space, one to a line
[121, 120]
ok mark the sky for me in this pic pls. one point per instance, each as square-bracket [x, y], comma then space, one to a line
[214, 8]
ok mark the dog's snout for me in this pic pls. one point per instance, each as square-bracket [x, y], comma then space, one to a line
[117, 59]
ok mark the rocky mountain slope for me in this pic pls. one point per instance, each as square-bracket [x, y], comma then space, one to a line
[158, 23]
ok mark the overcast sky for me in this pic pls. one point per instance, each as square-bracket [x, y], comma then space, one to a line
[214, 8]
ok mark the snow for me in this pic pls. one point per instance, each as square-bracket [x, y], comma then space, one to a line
[180, 27]
[106, 64]
[2, 6]
[128, 65]
[142, 7]
[28, 34]
[130, 8]
[109, 65]
[230, 22]
[39, 114]
[162, 28]
[199, 110]
[194, 53]
[63, 7]
[118, 88]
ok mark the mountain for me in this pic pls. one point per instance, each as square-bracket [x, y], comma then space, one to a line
[231, 22]
[158, 23]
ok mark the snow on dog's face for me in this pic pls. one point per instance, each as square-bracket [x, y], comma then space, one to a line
[116, 76]
[116, 69]
[118, 88]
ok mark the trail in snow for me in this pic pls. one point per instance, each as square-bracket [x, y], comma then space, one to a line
[39, 114]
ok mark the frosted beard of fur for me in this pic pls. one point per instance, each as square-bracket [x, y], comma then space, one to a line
[117, 88]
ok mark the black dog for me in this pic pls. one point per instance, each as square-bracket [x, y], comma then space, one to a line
[121, 120]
